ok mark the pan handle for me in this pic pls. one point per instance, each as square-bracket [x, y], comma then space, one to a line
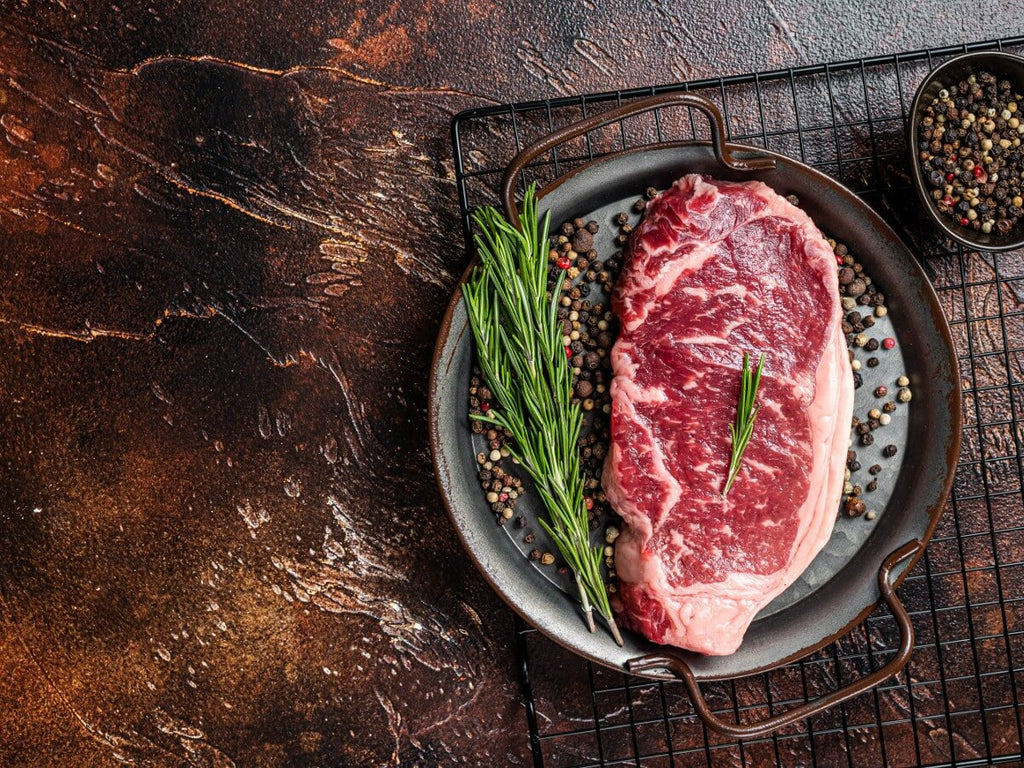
[571, 131]
[899, 660]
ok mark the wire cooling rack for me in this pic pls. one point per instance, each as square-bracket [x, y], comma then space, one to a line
[958, 702]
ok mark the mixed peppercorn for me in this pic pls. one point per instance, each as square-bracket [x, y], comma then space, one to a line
[863, 304]
[971, 155]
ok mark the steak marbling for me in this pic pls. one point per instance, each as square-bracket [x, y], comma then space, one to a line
[715, 269]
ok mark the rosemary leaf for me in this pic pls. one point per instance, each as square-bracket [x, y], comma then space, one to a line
[519, 348]
[746, 412]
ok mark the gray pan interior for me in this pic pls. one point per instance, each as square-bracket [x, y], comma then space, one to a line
[840, 585]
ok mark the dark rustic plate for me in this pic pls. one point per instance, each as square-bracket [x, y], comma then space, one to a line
[843, 584]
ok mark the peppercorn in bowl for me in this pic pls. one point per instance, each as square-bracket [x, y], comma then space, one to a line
[966, 142]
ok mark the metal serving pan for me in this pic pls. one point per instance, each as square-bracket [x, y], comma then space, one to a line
[864, 561]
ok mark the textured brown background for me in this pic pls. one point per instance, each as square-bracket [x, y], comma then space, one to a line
[228, 233]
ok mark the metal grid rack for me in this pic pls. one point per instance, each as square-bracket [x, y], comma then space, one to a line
[959, 700]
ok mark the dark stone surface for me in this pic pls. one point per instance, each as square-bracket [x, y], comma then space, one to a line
[228, 232]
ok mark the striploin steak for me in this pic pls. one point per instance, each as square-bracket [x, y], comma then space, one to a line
[715, 269]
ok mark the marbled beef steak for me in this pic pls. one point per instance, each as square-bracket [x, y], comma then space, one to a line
[715, 269]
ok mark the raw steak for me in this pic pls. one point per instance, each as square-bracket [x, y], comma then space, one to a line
[715, 269]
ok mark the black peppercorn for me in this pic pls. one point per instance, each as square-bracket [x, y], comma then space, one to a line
[582, 241]
[889, 451]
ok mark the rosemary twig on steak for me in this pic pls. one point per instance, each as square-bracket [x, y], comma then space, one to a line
[746, 413]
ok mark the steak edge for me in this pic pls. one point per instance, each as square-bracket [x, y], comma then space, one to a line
[714, 270]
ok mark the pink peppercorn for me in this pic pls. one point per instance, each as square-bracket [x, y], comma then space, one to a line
[888, 343]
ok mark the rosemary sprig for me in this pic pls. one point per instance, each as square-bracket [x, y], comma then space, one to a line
[519, 346]
[746, 412]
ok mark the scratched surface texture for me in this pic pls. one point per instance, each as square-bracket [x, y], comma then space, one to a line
[228, 232]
